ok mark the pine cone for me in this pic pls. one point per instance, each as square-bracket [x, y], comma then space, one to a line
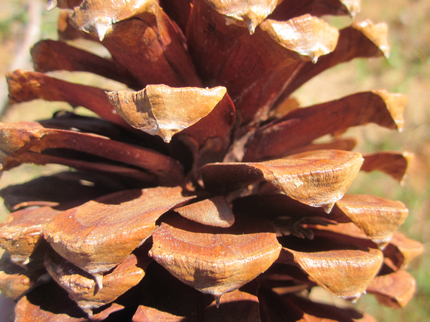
[200, 193]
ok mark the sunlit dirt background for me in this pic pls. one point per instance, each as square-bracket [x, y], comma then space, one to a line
[407, 71]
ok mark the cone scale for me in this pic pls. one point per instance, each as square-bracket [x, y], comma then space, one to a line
[199, 192]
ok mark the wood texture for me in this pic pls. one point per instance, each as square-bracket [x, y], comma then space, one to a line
[249, 13]
[207, 193]
[291, 308]
[363, 39]
[255, 68]
[50, 55]
[152, 37]
[345, 273]
[16, 280]
[62, 190]
[99, 235]
[22, 231]
[401, 251]
[27, 86]
[395, 164]
[304, 125]
[164, 111]
[81, 286]
[232, 307]
[212, 212]
[287, 9]
[378, 218]
[393, 290]
[317, 178]
[32, 137]
[214, 264]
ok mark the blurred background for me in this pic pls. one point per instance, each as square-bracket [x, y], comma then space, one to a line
[23, 22]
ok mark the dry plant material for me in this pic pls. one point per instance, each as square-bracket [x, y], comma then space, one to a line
[164, 111]
[178, 11]
[212, 212]
[251, 13]
[145, 313]
[401, 251]
[82, 287]
[254, 68]
[378, 218]
[291, 8]
[16, 280]
[346, 144]
[22, 231]
[393, 290]
[53, 298]
[112, 231]
[62, 190]
[202, 190]
[50, 55]
[337, 270]
[27, 86]
[30, 139]
[360, 40]
[98, 16]
[317, 178]
[302, 126]
[214, 264]
[394, 164]
[63, 4]
[296, 308]
[233, 306]
[149, 36]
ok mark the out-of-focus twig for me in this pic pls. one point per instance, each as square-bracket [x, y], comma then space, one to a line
[22, 57]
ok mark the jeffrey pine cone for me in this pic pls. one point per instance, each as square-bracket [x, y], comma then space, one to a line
[199, 193]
